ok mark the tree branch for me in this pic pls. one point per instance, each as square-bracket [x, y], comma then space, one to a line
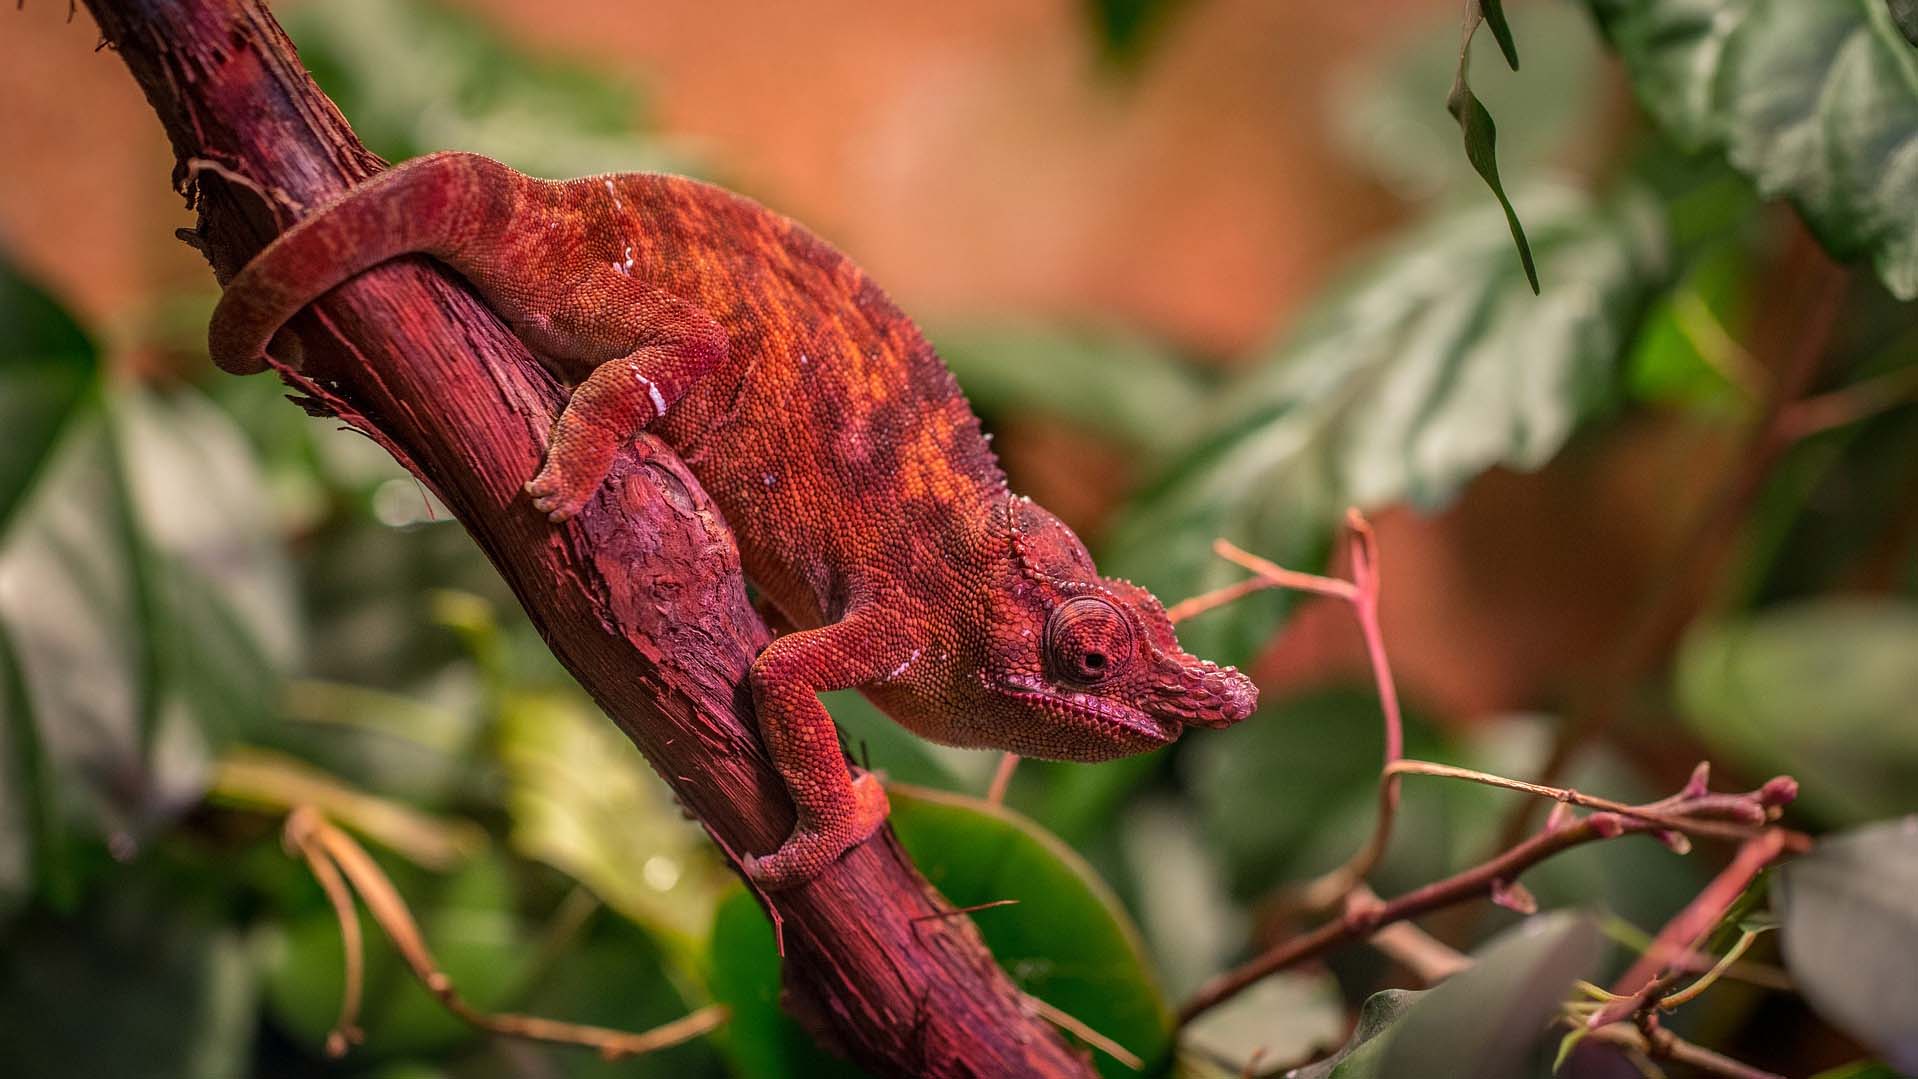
[640, 596]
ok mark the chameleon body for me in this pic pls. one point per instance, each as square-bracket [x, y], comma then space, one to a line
[867, 505]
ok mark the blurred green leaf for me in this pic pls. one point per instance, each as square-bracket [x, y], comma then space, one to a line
[876, 741]
[1361, 1053]
[583, 800]
[1825, 690]
[1489, 1020]
[1688, 352]
[1816, 102]
[1475, 121]
[1429, 366]
[1850, 928]
[469, 923]
[1383, 114]
[612, 975]
[1179, 893]
[1863, 1069]
[1109, 382]
[1904, 14]
[416, 77]
[137, 984]
[1311, 765]
[47, 367]
[760, 1040]
[144, 611]
[1126, 28]
[1068, 941]
[1286, 1017]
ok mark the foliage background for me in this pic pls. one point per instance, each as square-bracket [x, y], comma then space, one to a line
[1206, 268]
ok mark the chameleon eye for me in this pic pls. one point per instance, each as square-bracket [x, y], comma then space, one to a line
[1087, 640]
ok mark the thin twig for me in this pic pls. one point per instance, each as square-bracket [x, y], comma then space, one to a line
[1001, 778]
[1069, 1022]
[1363, 919]
[1664, 1045]
[960, 911]
[1636, 987]
[329, 847]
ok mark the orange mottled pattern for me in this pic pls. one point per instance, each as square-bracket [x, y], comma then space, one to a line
[866, 502]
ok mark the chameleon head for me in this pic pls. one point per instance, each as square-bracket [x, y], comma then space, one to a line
[1083, 667]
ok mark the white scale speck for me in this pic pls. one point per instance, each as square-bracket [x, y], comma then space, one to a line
[770, 479]
[659, 401]
[901, 669]
[615, 194]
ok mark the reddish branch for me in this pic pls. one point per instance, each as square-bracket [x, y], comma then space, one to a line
[643, 602]
[1362, 919]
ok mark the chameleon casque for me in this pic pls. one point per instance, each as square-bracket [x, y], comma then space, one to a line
[866, 503]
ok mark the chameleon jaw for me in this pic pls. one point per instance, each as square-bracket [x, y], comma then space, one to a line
[1091, 712]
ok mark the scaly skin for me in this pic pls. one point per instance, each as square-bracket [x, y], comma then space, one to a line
[851, 469]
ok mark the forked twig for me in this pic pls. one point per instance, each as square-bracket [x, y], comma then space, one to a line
[330, 853]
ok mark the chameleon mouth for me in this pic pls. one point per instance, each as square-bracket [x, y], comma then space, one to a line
[1098, 713]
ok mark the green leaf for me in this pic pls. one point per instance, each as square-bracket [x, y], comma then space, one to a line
[1475, 122]
[47, 367]
[1106, 381]
[1816, 102]
[1068, 940]
[760, 1040]
[1383, 117]
[1849, 914]
[1362, 1052]
[144, 609]
[1431, 365]
[1825, 690]
[583, 800]
[1489, 1020]
[417, 77]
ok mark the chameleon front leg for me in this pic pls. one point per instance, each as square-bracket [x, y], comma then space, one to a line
[621, 396]
[835, 811]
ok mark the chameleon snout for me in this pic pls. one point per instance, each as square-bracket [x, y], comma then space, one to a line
[1208, 695]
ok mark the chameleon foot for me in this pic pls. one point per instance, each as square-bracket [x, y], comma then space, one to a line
[562, 487]
[810, 849]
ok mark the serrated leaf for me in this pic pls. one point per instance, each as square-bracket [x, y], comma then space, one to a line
[1429, 366]
[1825, 690]
[145, 609]
[1816, 102]
[1849, 914]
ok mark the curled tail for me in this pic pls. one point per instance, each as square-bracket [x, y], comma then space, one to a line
[424, 206]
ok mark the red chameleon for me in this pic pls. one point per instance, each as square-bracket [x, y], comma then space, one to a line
[866, 503]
